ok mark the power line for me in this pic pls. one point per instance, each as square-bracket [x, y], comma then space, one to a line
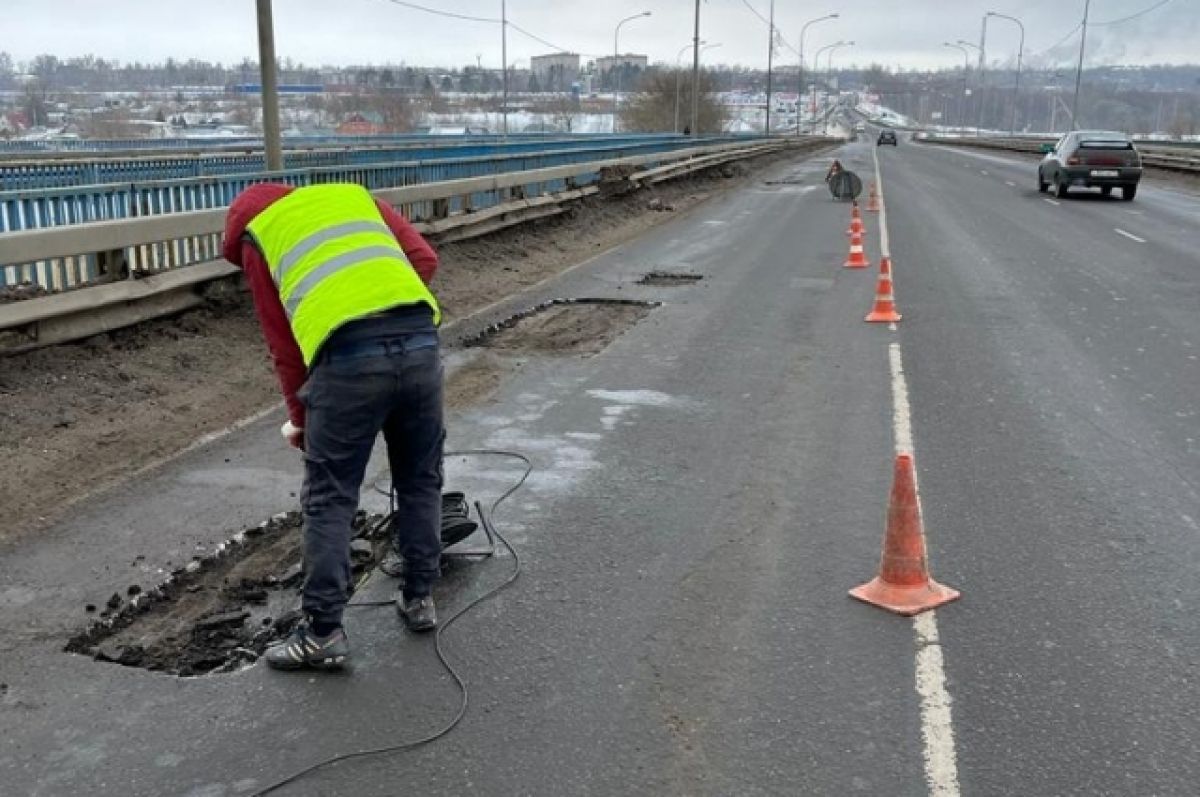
[1058, 43]
[779, 37]
[441, 13]
[1159, 4]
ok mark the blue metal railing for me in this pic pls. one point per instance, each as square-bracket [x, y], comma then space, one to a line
[84, 145]
[25, 210]
[34, 174]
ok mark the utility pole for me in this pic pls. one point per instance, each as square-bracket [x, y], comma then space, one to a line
[770, 62]
[1087, 4]
[504, 64]
[270, 89]
[696, 73]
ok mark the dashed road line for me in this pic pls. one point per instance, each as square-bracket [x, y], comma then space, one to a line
[1051, 201]
[1129, 235]
[983, 172]
[937, 725]
[1010, 184]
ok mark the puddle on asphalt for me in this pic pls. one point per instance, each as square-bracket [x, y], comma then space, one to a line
[669, 279]
[565, 326]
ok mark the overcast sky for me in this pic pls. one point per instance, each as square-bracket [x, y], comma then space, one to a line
[899, 33]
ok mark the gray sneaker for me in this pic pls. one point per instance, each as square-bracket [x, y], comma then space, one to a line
[419, 613]
[302, 648]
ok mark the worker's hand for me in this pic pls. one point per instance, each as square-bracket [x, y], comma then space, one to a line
[293, 434]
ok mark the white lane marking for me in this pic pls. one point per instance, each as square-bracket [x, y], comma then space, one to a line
[937, 726]
[937, 722]
[1051, 201]
[901, 412]
[983, 172]
[1010, 183]
[941, 766]
[1129, 235]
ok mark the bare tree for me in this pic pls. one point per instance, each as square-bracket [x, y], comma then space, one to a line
[661, 91]
[563, 109]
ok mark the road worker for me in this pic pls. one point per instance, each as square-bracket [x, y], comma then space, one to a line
[340, 287]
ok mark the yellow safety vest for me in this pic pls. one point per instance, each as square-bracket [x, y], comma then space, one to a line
[334, 260]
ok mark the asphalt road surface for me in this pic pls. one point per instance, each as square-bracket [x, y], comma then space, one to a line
[707, 489]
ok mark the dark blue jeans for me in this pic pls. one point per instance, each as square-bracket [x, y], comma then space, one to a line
[377, 374]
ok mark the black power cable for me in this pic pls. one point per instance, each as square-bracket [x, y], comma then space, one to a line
[484, 518]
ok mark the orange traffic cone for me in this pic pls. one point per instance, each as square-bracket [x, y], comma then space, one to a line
[857, 258]
[885, 302]
[856, 224]
[873, 200]
[903, 585]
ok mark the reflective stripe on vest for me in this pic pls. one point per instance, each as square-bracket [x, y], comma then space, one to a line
[334, 260]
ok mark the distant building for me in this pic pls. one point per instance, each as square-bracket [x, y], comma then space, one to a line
[366, 123]
[622, 70]
[557, 71]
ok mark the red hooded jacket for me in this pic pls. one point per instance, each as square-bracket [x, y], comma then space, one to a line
[239, 250]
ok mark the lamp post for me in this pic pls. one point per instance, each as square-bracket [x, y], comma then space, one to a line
[978, 86]
[829, 73]
[962, 98]
[679, 75]
[696, 72]
[770, 63]
[504, 66]
[816, 68]
[616, 59]
[272, 146]
[1012, 125]
[1079, 69]
[800, 70]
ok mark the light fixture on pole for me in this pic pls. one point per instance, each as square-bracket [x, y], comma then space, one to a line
[978, 86]
[1087, 5]
[1012, 125]
[616, 62]
[800, 70]
[770, 64]
[815, 70]
[962, 99]
[829, 73]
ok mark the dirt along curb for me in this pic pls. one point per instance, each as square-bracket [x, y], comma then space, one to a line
[79, 418]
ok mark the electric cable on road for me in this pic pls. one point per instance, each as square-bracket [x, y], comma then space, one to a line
[487, 520]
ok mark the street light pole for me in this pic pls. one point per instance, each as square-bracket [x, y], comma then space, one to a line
[816, 69]
[978, 87]
[829, 73]
[962, 98]
[1012, 126]
[696, 73]
[800, 70]
[504, 65]
[1079, 70]
[770, 62]
[982, 68]
[616, 65]
[270, 93]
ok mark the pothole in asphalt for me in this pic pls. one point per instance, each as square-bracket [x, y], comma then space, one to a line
[669, 279]
[565, 326]
[220, 612]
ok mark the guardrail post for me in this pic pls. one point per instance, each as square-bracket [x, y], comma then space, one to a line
[441, 208]
[112, 265]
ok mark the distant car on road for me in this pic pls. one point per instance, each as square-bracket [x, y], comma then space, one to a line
[886, 137]
[1091, 158]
